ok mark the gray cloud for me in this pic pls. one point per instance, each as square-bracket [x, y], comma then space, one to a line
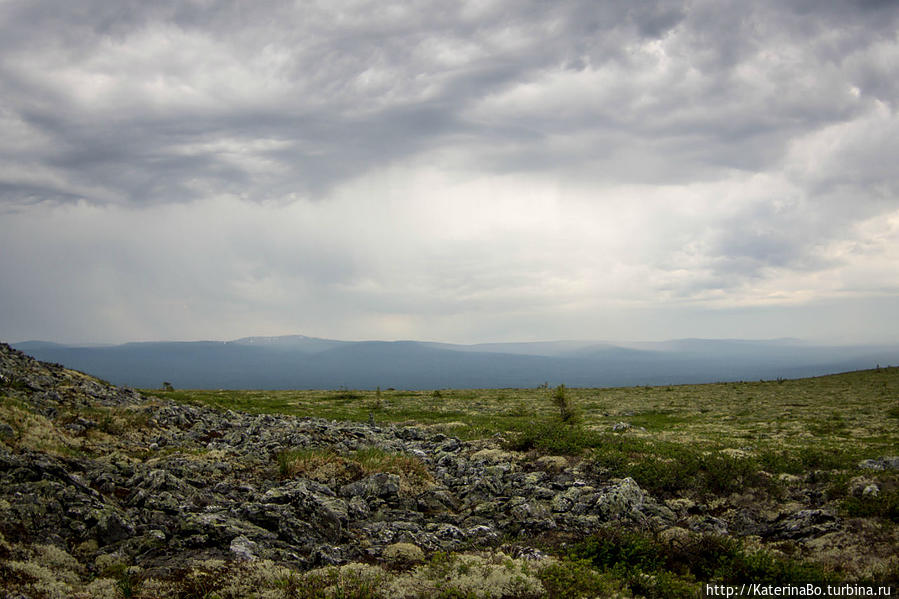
[410, 169]
[346, 91]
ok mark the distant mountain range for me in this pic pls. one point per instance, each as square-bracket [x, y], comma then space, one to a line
[299, 362]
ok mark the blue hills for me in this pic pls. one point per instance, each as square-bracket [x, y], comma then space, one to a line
[300, 362]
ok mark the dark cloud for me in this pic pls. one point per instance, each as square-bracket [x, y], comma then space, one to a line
[357, 87]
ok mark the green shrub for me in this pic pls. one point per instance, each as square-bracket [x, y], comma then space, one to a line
[621, 551]
[576, 579]
[652, 567]
[662, 585]
[800, 461]
[668, 469]
[344, 393]
[553, 436]
[884, 505]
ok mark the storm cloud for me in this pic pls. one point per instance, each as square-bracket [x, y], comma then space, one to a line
[467, 171]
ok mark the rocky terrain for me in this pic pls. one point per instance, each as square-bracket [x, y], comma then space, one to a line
[106, 492]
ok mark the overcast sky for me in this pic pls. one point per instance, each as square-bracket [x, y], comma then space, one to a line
[451, 171]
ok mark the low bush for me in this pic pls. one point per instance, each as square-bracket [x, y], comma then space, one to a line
[652, 567]
[553, 436]
[576, 579]
[883, 505]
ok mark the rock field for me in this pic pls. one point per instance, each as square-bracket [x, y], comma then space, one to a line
[98, 470]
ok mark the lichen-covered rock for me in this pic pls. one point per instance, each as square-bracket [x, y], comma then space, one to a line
[804, 524]
[621, 499]
[380, 485]
[243, 548]
[880, 464]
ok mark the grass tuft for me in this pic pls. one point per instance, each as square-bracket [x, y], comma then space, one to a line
[326, 466]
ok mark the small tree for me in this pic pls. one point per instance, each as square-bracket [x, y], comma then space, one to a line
[567, 410]
[167, 386]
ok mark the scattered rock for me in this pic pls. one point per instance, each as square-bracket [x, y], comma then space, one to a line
[861, 486]
[216, 490]
[675, 534]
[207, 484]
[880, 464]
[619, 500]
[804, 524]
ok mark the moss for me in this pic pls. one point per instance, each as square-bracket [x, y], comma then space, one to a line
[104, 588]
[34, 431]
[402, 554]
[32, 577]
[469, 576]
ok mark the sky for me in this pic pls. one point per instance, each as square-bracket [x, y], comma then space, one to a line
[465, 171]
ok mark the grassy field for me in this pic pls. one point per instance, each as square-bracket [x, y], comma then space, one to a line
[856, 412]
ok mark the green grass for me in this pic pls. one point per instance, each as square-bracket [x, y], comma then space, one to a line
[658, 420]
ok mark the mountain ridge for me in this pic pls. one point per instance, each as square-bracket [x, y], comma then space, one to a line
[301, 362]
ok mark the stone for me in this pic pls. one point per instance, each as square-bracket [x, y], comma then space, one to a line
[880, 464]
[675, 534]
[861, 486]
[243, 548]
[380, 485]
[707, 524]
[804, 524]
[620, 499]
